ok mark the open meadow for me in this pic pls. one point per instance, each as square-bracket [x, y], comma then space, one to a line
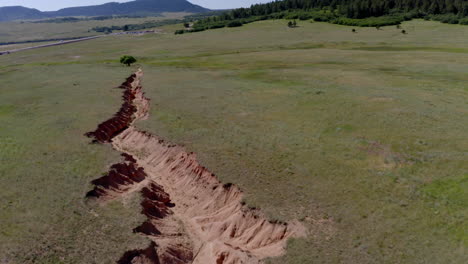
[360, 136]
[37, 30]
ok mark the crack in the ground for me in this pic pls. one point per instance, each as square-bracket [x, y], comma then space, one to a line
[191, 216]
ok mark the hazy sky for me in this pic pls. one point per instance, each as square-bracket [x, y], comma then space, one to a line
[52, 5]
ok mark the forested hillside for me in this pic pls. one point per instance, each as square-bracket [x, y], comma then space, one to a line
[358, 8]
[346, 12]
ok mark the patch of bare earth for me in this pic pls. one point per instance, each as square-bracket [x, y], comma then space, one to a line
[191, 216]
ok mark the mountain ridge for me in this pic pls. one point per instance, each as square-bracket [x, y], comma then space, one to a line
[136, 7]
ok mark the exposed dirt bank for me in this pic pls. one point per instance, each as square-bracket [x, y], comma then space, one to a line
[191, 216]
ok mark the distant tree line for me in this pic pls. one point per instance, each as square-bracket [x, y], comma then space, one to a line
[153, 24]
[136, 27]
[347, 12]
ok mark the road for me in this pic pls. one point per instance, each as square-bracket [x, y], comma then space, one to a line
[64, 42]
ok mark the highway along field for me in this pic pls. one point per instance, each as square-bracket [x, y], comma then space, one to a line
[353, 145]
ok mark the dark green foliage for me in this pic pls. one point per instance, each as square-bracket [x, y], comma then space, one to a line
[463, 21]
[219, 25]
[292, 24]
[235, 23]
[127, 60]
[60, 20]
[135, 27]
[362, 13]
[355, 8]
[370, 22]
[446, 18]
[152, 24]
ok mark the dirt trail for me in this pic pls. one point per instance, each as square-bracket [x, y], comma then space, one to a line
[191, 216]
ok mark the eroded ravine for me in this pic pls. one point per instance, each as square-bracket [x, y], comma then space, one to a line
[191, 216]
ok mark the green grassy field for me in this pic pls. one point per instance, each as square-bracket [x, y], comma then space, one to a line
[362, 136]
[23, 31]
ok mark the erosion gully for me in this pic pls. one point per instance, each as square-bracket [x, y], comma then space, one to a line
[191, 216]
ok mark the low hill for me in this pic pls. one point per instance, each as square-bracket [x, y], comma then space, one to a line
[138, 7]
[134, 7]
[18, 12]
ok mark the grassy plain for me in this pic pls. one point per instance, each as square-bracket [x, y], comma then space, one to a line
[362, 136]
[17, 31]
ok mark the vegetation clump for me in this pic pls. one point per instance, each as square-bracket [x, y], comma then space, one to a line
[292, 24]
[127, 60]
[234, 24]
[152, 24]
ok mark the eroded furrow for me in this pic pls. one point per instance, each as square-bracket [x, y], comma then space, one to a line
[120, 179]
[191, 216]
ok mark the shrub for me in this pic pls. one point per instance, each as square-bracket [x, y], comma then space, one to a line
[292, 24]
[463, 21]
[218, 25]
[234, 23]
[127, 60]
[197, 29]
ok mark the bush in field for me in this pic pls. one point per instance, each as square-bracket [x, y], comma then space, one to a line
[292, 24]
[127, 60]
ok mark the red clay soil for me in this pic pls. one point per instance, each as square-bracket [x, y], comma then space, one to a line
[118, 180]
[191, 216]
[107, 130]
